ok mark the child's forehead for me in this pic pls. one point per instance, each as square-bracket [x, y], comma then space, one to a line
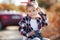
[31, 7]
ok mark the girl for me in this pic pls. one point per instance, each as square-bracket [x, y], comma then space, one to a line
[32, 23]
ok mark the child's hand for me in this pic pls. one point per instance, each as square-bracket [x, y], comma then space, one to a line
[38, 16]
[38, 9]
[31, 33]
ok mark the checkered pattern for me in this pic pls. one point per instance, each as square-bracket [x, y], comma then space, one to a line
[25, 26]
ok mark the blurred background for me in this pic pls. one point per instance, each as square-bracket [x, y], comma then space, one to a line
[11, 12]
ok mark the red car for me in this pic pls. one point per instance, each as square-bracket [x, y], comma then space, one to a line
[9, 19]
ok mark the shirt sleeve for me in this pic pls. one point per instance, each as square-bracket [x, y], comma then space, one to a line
[23, 32]
[21, 25]
[44, 19]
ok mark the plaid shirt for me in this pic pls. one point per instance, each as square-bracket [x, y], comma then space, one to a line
[25, 26]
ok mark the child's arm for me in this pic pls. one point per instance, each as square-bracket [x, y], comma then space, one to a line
[21, 28]
[44, 19]
[23, 31]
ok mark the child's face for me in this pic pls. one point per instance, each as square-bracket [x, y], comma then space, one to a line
[31, 11]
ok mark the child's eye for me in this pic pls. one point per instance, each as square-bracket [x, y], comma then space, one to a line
[29, 11]
[33, 10]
